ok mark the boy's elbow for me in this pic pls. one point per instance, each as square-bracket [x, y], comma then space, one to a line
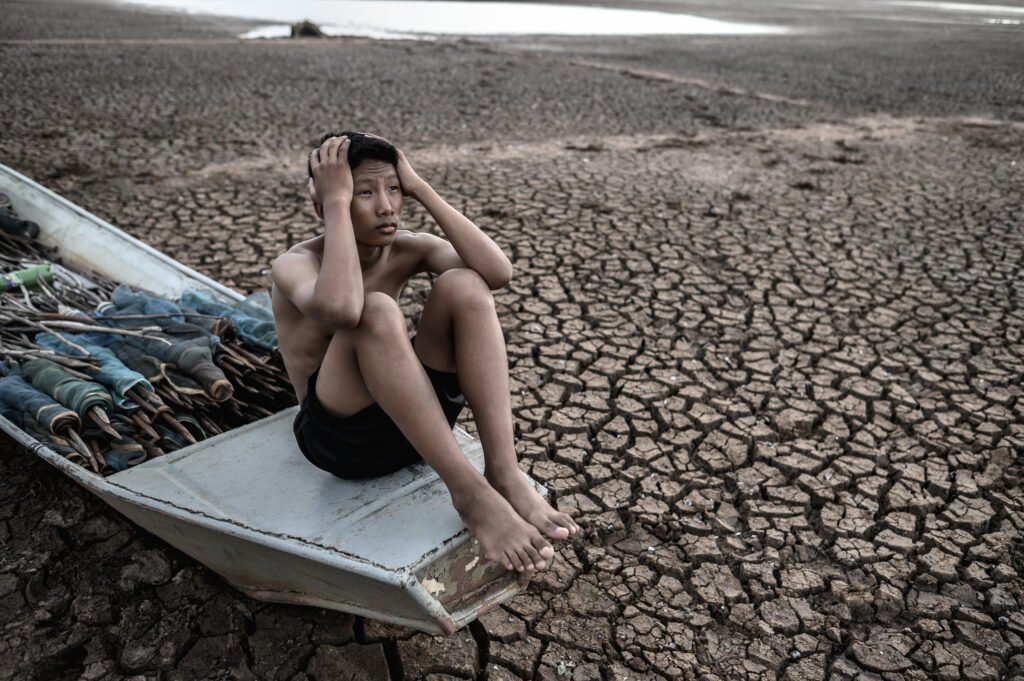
[341, 316]
[344, 320]
[276, 269]
[501, 279]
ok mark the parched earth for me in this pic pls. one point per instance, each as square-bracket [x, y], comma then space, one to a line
[766, 340]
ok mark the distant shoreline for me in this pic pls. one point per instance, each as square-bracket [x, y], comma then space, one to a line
[419, 19]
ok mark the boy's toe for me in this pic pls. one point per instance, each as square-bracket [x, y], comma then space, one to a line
[509, 561]
[555, 531]
[535, 558]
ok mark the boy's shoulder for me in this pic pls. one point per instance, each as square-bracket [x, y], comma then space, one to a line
[309, 247]
[420, 242]
[411, 251]
[407, 249]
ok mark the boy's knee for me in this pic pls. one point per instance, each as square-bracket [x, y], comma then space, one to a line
[381, 314]
[463, 286]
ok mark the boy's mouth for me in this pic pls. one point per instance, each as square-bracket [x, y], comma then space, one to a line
[387, 227]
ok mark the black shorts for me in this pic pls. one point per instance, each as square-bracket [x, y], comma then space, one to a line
[366, 444]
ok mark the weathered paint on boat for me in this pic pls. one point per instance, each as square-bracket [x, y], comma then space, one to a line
[247, 504]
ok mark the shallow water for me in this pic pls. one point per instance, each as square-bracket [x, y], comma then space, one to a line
[420, 19]
[959, 7]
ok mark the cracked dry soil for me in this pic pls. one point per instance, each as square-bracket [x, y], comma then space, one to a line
[768, 353]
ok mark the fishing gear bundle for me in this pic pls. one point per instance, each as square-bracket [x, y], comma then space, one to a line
[109, 376]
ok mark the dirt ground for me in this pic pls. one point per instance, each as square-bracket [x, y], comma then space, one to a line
[765, 333]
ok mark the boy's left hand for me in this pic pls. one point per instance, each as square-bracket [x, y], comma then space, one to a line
[407, 177]
[411, 183]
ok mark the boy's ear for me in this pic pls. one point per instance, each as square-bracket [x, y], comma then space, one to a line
[317, 206]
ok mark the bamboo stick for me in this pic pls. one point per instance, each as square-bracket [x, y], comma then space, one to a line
[178, 427]
[144, 426]
[100, 418]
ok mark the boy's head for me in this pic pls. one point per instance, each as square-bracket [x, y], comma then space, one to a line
[376, 207]
[360, 148]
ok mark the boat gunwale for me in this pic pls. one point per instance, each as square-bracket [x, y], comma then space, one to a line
[114, 232]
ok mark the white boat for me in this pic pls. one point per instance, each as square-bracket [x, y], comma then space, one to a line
[249, 506]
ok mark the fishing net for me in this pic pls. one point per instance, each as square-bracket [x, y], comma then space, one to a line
[112, 372]
[124, 453]
[254, 322]
[191, 358]
[119, 453]
[16, 393]
[127, 300]
[74, 393]
[138, 361]
[59, 444]
[186, 346]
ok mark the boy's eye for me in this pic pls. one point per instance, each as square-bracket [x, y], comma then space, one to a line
[394, 187]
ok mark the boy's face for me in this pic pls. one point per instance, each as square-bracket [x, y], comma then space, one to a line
[376, 202]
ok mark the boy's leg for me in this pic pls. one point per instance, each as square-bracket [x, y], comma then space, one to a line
[375, 362]
[459, 331]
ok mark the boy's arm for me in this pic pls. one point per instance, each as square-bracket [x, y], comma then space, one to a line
[467, 245]
[333, 293]
[294, 274]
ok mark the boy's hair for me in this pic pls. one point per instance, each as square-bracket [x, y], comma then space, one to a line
[361, 147]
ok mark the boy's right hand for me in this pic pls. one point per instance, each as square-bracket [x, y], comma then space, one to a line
[332, 176]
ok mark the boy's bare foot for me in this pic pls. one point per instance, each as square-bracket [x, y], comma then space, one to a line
[505, 537]
[533, 508]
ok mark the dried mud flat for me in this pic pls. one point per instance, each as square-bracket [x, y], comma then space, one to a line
[766, 347]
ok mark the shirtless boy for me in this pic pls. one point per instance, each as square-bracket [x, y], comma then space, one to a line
[372, 401]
